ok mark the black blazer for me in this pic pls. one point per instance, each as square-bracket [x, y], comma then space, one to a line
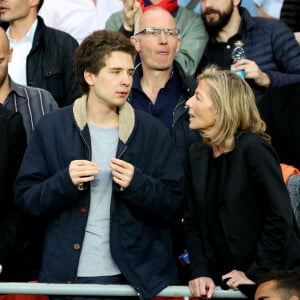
[254, 209]
[12, 147]
[280, 109]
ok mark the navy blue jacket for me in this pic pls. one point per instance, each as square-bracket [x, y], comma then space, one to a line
[140, 215]
[182, 135]
[268, 42]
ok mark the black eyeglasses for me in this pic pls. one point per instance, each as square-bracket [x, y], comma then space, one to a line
[157, 31]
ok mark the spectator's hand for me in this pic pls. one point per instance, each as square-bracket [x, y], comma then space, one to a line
[252, 71]
[297, 37]
[122, 172]
[202, 287]
[235, 278]
[131, 10]
[81, 171]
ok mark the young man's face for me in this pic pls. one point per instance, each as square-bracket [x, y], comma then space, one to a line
[112, 84]
[268, 291]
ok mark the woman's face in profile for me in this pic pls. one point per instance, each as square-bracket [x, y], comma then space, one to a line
[201, 109]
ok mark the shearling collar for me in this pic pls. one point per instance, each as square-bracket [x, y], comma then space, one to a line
[126, 117]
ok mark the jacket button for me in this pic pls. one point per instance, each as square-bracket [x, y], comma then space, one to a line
[83, 210]
[76, 246]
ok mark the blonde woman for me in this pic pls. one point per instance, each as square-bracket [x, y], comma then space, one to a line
[239, 223]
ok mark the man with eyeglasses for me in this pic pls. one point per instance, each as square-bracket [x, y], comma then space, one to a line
[192, 30]
[161, 88]
[157, 31]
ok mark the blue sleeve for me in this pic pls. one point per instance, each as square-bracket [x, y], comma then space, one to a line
[287, 56]
[250, 6]
[37, 190]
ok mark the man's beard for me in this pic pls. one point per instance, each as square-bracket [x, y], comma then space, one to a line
[214, 27]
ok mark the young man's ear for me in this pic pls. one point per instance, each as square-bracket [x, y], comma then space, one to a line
[136, 42]
[89, 77]
[294, 298]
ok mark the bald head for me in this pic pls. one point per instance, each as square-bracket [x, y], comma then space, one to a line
[155, 17]
[156, 40]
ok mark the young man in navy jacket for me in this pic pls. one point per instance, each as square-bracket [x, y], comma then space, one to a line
[109, 183]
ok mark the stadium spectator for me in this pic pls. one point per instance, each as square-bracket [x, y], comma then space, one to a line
[109, 209]
[192, 31]
[32, 103]
[272, 53]
[240, 223]
[43, 56]
[12, 147]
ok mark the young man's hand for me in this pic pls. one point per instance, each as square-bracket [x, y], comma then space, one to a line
[82, 171]
[122, 172]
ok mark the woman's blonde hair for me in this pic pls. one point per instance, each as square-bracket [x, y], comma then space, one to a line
[236, 108]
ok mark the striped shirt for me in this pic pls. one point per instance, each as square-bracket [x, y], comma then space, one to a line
[32, 103]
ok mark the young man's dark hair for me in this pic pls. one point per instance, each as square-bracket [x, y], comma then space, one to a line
[285, 283]
[93, 52]
[285, 279]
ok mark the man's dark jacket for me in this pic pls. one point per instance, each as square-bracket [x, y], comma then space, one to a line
[290, 14]
[141, 214]
[254, 210]
[50, 63]
[182, 135]
[12, 147]
[267, 42]
[280, 108]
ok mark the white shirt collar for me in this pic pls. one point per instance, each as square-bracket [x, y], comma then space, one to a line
[30, 34]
